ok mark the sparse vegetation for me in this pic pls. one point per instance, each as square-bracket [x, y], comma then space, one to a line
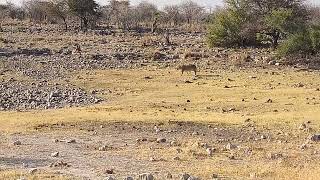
[305, 42]
[130, 90]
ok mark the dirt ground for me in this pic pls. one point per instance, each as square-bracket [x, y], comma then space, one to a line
[243, 121]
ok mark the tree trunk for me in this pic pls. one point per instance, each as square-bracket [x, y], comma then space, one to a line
[154, 25]
[167, 37]
[65, 24]
[275, 39]
[85, 24]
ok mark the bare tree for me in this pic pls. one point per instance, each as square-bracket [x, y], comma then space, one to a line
[192, 12]
[106, 14]
[315, 15]
[120, 13]
[3, 14]
[172, 14]
[36, 10]
[148, 13]
[15, 12]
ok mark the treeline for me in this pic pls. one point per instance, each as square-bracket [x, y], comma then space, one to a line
[88, 14]
[289, 26]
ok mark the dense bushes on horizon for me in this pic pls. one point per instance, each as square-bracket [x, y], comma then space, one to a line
[284, 25]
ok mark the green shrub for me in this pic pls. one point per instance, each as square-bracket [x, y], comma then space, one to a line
[227, 30]
[315, 38]
[248, 23]
[224, 30]
[306, 42]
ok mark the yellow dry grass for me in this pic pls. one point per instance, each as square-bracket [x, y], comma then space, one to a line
[133, 97]
[155, 95]
[14, 175]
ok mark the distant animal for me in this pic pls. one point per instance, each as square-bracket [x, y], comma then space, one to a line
[189, 67]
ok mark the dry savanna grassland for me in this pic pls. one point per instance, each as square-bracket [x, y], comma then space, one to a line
[129, 110]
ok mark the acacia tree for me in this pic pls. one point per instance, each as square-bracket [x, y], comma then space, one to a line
[86, 10]
[276, 23]
[242, 20]
[59, 10]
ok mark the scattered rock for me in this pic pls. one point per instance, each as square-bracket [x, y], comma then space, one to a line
[148, 77]
[232, 157]
[33, 171]
[168, 176]
[184, 176]
[315, 137]
[161, 140]
[109, 171]
[193, 178]
[22, 178]
[195, 133]
[253, 175]
[269, 101]
[71, 141]
[55, 154]
[128, 178]
[60, 164]
[103, 148]
[109, 178]
[176, 158]
[209, 151]
[157, 129]
[204, 145]
[215, 176]
[272, 62]
[17, 143]
[303, 146]
[146, 176]
[303, 126]
[179, 150]
[173, 143]
[275, 156]
[230, 146]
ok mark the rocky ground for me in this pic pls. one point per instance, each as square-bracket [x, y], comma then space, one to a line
[23, 58]
[120, 108]
[166, 150]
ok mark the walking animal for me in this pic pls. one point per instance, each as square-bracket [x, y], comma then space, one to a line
[189, 67]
